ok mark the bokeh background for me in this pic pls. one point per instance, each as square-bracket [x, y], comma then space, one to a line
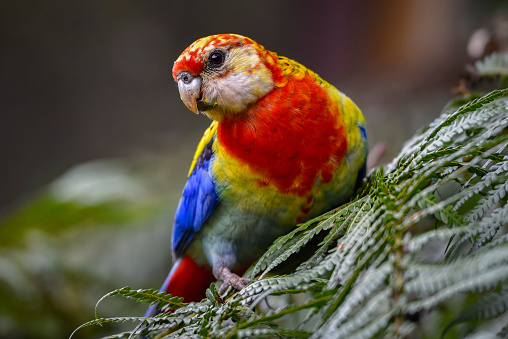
[95, 143]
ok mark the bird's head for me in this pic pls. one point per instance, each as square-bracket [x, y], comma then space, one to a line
[223, 74]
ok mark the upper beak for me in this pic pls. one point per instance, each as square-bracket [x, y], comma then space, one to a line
[189, 87]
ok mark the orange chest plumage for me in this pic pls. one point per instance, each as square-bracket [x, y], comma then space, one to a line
[291, 137]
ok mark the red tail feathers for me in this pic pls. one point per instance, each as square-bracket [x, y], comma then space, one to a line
[186, 279]
[189, 280]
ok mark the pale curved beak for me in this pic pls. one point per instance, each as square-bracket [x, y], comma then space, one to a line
[189, 87]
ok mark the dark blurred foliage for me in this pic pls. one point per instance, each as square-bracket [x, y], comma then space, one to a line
[89, 80]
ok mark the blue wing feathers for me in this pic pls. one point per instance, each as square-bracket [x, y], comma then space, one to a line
[196, 204]
[363, 170]
[362, 130]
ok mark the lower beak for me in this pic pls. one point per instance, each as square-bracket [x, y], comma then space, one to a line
[189, 87]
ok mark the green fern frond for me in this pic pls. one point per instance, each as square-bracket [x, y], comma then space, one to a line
[122, 335]
[492, 198]
[289, 244]
[493, 64]
[491, 306]
[101, 321]
[427, 229]
[471, 106]
[150, 296]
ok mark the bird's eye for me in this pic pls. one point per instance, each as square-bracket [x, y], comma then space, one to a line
[216, 58]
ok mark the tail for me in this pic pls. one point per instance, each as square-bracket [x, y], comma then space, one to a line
[186, 279]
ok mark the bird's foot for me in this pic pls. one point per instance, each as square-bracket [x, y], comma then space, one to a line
[231, 279]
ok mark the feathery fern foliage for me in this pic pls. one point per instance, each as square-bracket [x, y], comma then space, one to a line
[426, 235]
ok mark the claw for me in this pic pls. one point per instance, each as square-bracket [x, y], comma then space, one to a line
[230, 279]
[235, 281]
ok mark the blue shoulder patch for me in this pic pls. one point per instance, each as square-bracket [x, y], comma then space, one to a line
[197, 202]
[363, 170]
[362, 130]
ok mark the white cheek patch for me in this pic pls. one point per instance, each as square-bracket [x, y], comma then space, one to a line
[238, 90]
[249, 81]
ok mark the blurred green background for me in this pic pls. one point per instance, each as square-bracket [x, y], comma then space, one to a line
[96, 144]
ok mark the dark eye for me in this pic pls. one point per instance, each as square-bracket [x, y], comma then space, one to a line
[216, 58]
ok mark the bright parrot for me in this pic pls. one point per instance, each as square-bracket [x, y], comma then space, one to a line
[284, 146]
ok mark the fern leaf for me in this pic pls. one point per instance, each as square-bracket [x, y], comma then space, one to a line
[147, 296]
[101, 321]
[469, 107]
[277, 246]
[300, 242]
[489, 307]
[283, 311]
[271, 333]
[435, 283]
[493, 64]
[122, 335]
[376, 311]
[368, 285]
[493, 197]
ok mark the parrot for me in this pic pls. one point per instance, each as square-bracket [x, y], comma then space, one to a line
[284, 146]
